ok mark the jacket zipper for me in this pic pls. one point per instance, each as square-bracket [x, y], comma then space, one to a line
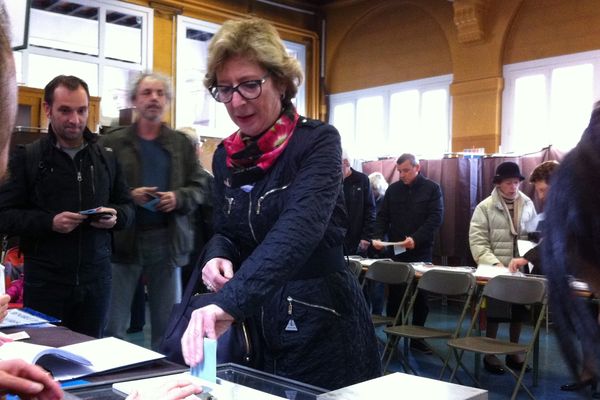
[291, 300]
[261, 198]
[93, 180]
[247, 344]
[250, 216]
[229, 204]
[80, 232]
[262, 325]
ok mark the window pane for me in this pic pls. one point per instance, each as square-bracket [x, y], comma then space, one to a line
[343, 120]
[194, 102]
[123, 37]
[18, 56]
[370, 137]
[224, 124]
[530, 114]
[434, 123]
[404, 122]
[65, 26]
[114, 92]
[571, 103]
[39, 77]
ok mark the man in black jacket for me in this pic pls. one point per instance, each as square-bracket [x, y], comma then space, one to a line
[360, 206]
[411, 214]
[67, 252]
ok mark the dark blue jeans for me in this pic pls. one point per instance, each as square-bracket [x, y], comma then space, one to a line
[81, 308]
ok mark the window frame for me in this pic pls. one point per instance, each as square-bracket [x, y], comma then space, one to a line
[545, 67]
[421, 85]
[147, 32]
[211, 130]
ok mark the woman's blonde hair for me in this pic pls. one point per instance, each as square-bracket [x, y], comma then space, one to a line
[256, 40]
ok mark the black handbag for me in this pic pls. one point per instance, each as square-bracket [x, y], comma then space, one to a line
[239, 344]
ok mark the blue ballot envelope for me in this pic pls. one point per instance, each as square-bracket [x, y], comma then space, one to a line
[207, 368]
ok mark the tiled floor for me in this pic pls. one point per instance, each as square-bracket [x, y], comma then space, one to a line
[553, 371]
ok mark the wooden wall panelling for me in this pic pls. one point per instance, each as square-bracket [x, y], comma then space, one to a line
[33, 99]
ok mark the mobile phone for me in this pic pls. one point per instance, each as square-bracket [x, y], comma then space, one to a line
[100, 215]
[94, 214]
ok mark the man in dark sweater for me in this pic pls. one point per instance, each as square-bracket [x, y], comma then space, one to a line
[360, 205]
[411, 214]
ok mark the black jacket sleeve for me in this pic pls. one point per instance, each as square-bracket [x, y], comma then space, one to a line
[17, 214]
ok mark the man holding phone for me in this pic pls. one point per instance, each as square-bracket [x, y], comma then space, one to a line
[64, 196]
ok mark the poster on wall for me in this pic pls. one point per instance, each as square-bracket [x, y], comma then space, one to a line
[18, 15]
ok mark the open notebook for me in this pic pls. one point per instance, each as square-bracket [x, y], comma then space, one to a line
[81, 359]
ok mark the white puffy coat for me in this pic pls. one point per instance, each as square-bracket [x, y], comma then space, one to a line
[491, 232]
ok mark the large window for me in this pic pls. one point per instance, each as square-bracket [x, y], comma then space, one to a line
[548, 102]
[411, 117]
[195, 106]
[104, 42]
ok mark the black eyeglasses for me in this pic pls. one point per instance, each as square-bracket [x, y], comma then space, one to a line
[249, 90]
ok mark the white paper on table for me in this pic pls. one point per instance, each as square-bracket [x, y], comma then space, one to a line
[367, 262]
[491, 271]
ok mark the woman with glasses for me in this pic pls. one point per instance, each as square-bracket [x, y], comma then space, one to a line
[277, 253]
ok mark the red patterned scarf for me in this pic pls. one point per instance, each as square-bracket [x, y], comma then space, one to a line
[248, 158]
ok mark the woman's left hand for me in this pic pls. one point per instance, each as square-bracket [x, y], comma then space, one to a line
[216, 273]
[211, 322]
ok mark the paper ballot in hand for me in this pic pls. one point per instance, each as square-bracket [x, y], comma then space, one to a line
[207, 368]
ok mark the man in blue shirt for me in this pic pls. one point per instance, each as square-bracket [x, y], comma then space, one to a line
[167, 185]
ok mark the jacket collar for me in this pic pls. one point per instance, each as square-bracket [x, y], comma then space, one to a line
[88, 136]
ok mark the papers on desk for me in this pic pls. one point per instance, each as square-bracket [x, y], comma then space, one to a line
[398, 385]
[424, 267]
[25, 316]
[222, 390]
[367, 262]
[491, 271]
[81, 359]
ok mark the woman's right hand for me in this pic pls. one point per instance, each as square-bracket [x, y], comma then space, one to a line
[211, 322]
[216, 273]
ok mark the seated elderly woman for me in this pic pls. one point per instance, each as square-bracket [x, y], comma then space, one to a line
[571, 248]
[278, 223]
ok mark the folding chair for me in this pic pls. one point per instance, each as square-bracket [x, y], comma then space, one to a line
[515, 290]
[390, 273]
[355, 267]
[439, 282]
